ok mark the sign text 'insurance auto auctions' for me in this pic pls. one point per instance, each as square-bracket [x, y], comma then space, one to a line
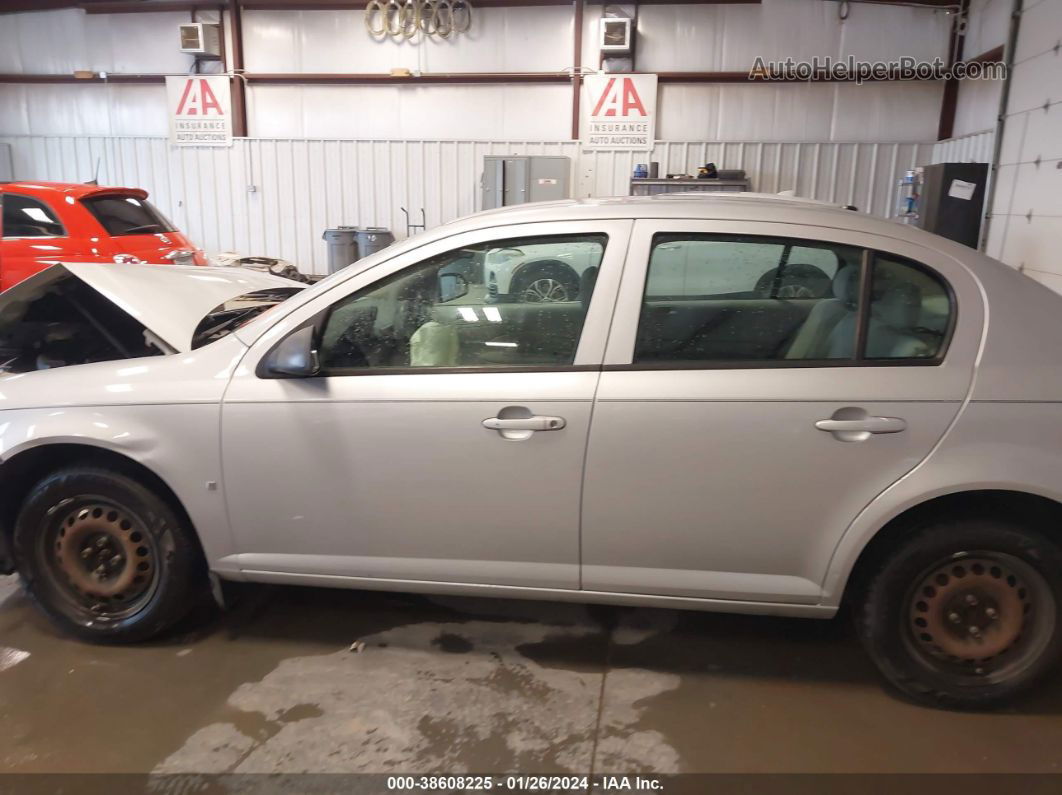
[621, 111]
[200, 110]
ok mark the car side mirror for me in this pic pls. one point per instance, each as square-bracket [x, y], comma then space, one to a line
[452, 286]
[294, 357]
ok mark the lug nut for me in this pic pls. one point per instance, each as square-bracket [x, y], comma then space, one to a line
[116, 560]
[991, 613]
[86, 553]
[971, 600]
[974, 631]
[954, 618]
[101, 543]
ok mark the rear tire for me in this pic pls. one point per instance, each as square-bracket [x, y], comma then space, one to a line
[106, 558]
[967, 613]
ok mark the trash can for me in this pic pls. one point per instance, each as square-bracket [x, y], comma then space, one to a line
[342, 246]
[372, 239]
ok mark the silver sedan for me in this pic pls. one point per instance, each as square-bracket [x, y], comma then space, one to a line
[742, 404]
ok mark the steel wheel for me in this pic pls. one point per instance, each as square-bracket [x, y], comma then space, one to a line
[545, 290]
[100, 558]
[980, 616]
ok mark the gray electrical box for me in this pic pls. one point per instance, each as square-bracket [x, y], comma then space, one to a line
[516, 180]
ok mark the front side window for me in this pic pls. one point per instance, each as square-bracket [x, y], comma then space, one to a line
[26, 217]
[719, 298]
[127, 215]
[439, 313]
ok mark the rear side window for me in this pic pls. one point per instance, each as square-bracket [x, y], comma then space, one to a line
[127, 215]
[26, 217]
[713, 300]
[910, 311]
[718, 298]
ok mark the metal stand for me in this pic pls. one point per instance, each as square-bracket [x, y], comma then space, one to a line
[411, 229]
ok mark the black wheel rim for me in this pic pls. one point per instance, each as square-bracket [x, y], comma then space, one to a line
[99, 559]
[979, 618]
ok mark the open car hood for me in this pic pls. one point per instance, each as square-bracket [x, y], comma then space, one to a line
[170, 301]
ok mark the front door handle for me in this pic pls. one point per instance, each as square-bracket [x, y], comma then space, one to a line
[533, 423]
[855, 425]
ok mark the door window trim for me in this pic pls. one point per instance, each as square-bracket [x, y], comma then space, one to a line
[593, 338]
[868, 258]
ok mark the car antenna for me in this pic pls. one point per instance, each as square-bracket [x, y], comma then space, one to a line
[95, 177]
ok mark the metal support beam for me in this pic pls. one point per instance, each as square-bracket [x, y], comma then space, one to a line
[950, 100]
[239, 85]
[577, 64]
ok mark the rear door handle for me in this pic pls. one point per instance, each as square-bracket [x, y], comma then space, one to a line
[857, 429]
[870, 425]
[534, 423]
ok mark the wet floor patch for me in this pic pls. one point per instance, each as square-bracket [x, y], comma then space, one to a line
[296, 680]
[418, 697]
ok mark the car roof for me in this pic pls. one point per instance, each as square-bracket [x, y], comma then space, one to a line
[77, 190]
[693, 205]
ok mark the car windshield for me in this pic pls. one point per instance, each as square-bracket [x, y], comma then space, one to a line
[236, 312]
[127, 215]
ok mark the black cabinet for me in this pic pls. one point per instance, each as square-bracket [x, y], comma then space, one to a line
[952, 201]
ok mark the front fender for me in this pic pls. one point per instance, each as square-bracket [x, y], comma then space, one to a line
[177, 442]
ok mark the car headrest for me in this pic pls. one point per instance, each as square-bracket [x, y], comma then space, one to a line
[586, 285]
[846, 285]
[899, 306]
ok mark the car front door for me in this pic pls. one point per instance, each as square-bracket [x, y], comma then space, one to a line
[762, 384]
[443, 439]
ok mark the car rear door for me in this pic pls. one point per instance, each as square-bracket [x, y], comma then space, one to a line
[738, 431]
[443, 441]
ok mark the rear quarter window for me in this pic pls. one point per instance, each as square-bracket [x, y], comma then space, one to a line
[127, 215]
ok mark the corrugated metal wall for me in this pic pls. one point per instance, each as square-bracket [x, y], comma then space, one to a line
[862, 174]
[973, 148]
[276, 196]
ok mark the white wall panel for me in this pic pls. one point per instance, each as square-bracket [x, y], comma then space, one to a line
[519, 111]
[91, 109]
[730, 37]
[536, 39]
[972, 148]
[887, 111]
[986, 27]
[799, 112]
[977, 106]
[60, 42]
[1025, 227]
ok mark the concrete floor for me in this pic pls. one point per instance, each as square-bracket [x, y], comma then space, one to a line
[451, 685]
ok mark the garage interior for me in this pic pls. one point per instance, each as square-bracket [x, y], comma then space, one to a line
[342, 136]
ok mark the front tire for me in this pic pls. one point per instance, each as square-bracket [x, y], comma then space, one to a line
[967, 613]
[106, 558]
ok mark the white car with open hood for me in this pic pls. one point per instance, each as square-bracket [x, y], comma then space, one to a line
[746, 404]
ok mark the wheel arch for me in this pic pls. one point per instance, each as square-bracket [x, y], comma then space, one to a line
[20, 472]
[1035, 510]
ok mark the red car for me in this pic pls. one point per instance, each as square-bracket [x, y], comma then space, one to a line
[48, 222]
